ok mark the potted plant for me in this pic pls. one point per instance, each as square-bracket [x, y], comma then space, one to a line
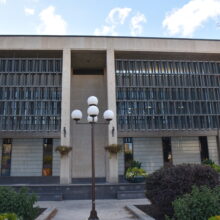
[63, 150]
[114, 148]
[135, 174]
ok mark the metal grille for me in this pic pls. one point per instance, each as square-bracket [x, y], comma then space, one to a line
[157, 95]
[30, 94]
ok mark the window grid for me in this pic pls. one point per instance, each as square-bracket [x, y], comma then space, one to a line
[157, 95]
[30, 94]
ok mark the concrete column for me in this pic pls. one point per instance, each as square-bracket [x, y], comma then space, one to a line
[111, 160]
[65, 161]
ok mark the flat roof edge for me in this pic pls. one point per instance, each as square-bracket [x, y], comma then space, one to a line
[95, 36]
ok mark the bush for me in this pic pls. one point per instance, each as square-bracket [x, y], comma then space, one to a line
[20, 203]
[135, 163]
[208, 162]
[166, 184]
[212, 165]
[9, 216]
[214, 218]
[201, 204]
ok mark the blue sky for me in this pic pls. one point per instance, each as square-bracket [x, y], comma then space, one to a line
[147, 18]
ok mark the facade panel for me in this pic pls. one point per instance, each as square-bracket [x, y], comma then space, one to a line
[185, 150]
[213, 149]
[149, 152]
[27, 157]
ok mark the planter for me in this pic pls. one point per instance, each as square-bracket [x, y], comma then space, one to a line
[114, 148]
[63, 150]
[136, 179]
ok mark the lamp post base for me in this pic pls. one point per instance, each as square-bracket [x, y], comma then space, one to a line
[93, 215]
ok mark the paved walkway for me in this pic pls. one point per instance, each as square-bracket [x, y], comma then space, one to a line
[106, 209]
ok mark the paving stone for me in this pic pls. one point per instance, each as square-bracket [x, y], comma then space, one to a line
[106, 209]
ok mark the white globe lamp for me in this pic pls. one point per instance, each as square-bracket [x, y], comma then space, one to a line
[92, 119]
[92, 100]
[93, 111]
[76, 115]
[108, 115]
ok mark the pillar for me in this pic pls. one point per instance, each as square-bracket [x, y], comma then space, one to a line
[111, 160]
[65, 161]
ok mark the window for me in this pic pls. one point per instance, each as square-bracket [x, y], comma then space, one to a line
[167, 151]
[47, 157]
[176, 88]
[128, 151]
[204, 151]
[6, 157]
[24, 91]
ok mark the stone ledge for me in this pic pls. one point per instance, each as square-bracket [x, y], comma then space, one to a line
[48, 214]
[138, 213]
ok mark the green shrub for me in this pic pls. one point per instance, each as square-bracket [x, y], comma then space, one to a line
[166, 184]
[9, 216]
[212, 165]
[135, 171]
[20, 203]
[214, 218]
[135, 163]
[208, 162]
[200, 204]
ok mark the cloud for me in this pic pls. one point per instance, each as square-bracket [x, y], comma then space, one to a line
[51, 23]
[116, 17]
[29, 11]
[106, 30]
[191, 16]
[2, 1]
[135, 25]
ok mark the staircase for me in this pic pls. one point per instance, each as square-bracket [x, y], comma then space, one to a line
[56, 192]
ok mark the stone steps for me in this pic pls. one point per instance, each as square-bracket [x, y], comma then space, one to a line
[131, 194]
[56, 192]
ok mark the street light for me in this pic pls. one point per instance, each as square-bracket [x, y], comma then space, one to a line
[92, 119]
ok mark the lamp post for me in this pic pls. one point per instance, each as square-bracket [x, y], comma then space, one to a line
[92, 119]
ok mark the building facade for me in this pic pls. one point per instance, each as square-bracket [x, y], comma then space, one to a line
[165, 93]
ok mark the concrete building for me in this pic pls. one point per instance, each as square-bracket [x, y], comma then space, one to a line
[165, 93]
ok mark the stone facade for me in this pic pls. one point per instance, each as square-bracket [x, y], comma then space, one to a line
[80, 54]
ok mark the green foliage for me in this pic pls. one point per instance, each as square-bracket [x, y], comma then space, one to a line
[135, 171]
[135, 163]
[20, 203]
[168, 183]
[9, 216]
[208, 162]
[200, 204]
[212, 165]
[216, 167]
[214, 218]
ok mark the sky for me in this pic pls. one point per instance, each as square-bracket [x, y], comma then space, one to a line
[141, 18]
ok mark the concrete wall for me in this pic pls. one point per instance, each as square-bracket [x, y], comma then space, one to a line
[213, 150]
[27, 155]
[115, 43]
[56, 158]
[149, 152]
[185, 150]
[84, 86]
